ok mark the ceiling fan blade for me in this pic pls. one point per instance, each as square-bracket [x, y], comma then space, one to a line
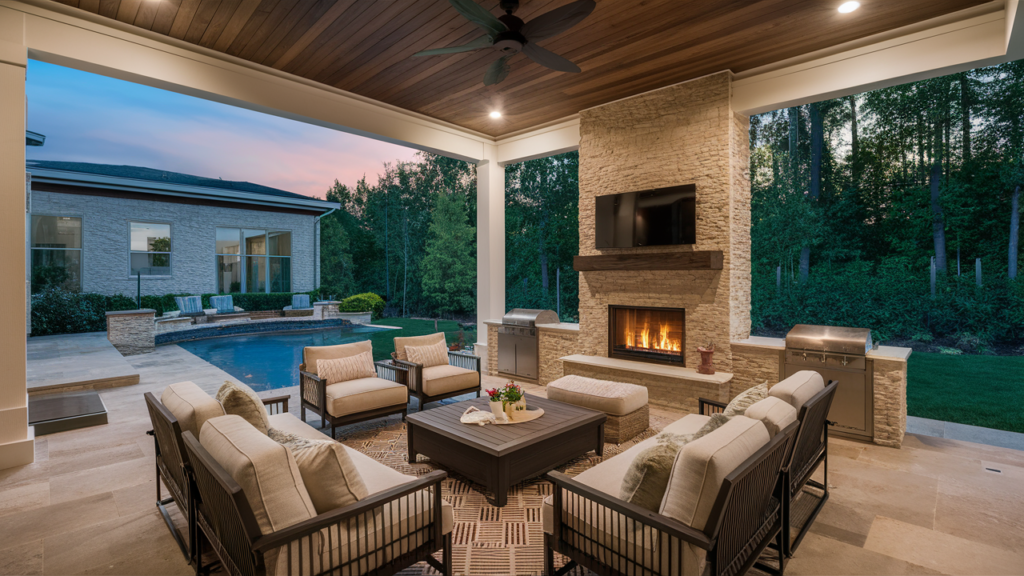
[476, 14]
[558, 20]
[481, 42]
[548, 58]
[497, 71]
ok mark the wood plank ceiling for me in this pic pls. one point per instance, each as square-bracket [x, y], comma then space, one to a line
[625, 47]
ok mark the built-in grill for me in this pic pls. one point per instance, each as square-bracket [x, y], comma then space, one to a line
[518, 353]
[837, 354]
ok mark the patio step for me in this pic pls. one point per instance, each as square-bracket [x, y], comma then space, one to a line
[62, 412]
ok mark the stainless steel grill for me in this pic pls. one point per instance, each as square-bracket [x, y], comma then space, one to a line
[839, 354]
[518, 353]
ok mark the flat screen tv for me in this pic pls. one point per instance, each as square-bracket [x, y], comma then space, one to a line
[662, 217]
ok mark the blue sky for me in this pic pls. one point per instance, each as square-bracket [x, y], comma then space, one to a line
[91, 118]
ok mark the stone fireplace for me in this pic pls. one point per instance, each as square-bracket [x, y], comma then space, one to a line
[647, 334]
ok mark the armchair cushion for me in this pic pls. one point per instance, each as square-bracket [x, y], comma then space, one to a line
[435, 354]
[703, 464]
[775, 414]
[363, 395]
[311, 354]
[330, 477]
[264, 469]
[799, 388]
[745, 399]
[401, 343]
[242, 401]
[439, 380]
[190, 405]
[333, 370]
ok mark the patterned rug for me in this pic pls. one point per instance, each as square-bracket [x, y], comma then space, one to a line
[486, 541]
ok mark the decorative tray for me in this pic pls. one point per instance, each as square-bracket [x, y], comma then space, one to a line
[524, 416]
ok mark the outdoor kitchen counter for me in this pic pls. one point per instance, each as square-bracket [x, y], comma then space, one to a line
[553, 341]
[566, 327]
[758, 359]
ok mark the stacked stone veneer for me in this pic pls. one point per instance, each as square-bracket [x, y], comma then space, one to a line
[553, 343]
[752, 365]
[132, 331]
[675, 393]
[682, 134]
[890, 401]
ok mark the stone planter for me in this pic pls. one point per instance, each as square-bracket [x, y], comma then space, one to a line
[705, 366]
[512, 407]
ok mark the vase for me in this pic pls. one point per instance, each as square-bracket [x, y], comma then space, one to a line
[498, 409]
[705, 366]
[511, 408]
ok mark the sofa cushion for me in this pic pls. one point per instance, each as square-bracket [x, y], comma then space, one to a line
[775, 414]
[310, 354]
[435, 354]
[439, 380]
[333, 370]
[798, 388]
[288, 422]
[703, 464]
[331, 479]
[190, 405]
[401, 343]
[265, 470]
[647, 476]
[242, 401]
[615, 398]
[687, 424]
[738, 405]
[363, 395]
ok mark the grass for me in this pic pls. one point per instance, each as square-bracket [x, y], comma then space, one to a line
[384, 341]
[975, 390]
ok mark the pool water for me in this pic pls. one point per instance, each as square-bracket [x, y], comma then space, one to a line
[269, 361]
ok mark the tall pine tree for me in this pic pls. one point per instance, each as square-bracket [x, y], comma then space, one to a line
[449, 267]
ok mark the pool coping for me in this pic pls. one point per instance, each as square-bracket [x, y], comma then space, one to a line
[215, 330]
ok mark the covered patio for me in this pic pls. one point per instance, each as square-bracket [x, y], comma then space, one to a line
[663, 99]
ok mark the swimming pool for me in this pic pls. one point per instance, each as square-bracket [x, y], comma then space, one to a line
[269, 361]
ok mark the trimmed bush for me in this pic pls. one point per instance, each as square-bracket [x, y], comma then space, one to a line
[366, 302]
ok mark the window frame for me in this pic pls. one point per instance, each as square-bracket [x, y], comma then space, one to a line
[169, 253]
[80, 249]
[243, 256]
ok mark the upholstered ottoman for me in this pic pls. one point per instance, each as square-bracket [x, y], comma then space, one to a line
[625, 404]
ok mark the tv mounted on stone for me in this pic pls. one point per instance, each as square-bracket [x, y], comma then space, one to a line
[661, 217]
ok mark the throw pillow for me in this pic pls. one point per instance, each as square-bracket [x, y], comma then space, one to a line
[327, 471]
[242, 401]
[344, 369]
[646, 479]
[746, 399]
[429, 355]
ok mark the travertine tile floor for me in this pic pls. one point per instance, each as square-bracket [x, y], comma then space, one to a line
[86, 506]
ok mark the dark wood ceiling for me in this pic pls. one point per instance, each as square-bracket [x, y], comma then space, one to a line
[625, 47]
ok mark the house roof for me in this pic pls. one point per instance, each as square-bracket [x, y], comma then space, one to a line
[153, 181]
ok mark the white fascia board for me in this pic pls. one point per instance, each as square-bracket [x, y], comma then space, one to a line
[974, 41]
[556, 138]
[68, 37]
[99, 181]
[1014, 30]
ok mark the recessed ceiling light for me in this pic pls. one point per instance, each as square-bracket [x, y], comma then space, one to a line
[495, 114]
[848, 7]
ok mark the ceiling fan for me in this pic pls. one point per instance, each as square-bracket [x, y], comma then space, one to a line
[510, 35]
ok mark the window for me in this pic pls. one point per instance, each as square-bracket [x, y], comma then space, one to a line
[150, 249]
[56, 252]
[250, 260]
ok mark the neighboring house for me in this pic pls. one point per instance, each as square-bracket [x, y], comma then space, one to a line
[98, 227]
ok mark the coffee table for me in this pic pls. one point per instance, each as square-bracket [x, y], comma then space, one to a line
[499, 456]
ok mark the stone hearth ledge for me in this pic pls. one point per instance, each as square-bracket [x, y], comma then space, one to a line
[668, 386]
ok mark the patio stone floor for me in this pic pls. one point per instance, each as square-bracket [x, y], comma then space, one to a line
[74, 362]
[86, 506]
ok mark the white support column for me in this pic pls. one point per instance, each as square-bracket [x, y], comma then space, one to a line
[490, 244]
[16, 438]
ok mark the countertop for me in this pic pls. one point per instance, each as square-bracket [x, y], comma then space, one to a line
[880, 353]
[560, 327]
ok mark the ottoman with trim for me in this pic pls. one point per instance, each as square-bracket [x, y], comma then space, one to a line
[625, 404]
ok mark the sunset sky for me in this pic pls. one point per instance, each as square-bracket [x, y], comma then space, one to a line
[91, 118]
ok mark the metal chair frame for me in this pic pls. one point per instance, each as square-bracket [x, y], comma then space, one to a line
[411, 374]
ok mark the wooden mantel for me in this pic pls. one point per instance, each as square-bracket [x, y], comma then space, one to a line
[702, 260]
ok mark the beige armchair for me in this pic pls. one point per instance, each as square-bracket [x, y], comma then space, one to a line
[432, 383]
[353, 400]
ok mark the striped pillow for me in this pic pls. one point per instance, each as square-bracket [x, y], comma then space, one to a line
[344, 369]
[429, 355]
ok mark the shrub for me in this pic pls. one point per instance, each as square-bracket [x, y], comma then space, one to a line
[366, 302]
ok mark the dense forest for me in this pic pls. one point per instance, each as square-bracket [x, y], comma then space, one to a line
[873, 210]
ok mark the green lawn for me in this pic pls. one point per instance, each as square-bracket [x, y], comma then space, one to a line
[976, 390]
[384, 341]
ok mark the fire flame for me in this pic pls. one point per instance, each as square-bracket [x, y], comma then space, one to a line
[643, 339]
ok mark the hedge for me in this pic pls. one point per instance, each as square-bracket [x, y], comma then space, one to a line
[366, 302]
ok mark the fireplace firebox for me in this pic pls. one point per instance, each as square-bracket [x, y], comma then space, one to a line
[647, 334]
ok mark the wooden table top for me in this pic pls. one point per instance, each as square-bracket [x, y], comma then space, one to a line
[500, 440]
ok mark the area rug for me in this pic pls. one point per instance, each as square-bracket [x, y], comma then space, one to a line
[486, 541]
